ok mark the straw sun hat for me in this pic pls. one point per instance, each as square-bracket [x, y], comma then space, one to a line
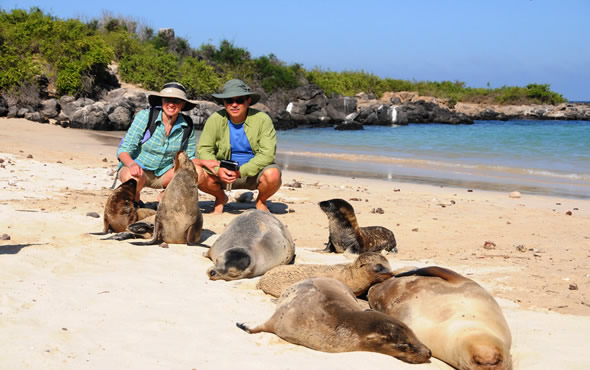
[235, 88]
[171, 90]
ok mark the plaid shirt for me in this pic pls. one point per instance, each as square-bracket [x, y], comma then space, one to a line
[157, 153]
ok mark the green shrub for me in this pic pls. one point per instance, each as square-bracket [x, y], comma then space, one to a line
[275, 75]
[198, 77]
[150, 68]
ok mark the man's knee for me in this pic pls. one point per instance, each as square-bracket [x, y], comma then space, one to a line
[271, 176]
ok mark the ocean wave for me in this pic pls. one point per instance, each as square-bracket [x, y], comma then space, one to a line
[441, 166]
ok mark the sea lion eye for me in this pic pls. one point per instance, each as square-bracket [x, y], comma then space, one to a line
[379, 268]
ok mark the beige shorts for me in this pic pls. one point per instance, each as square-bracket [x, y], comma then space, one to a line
[249, 182]
[152, 181]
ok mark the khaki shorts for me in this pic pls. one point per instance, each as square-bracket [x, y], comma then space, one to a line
[152, 181]
[249, 182]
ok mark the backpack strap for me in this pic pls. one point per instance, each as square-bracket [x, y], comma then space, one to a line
[151, 126]
[187, 131]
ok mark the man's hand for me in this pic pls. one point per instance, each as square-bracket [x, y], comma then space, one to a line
[227, 176]
[210, 164]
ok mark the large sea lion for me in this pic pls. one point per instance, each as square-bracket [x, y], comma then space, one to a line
[369, 268]
[179, 219]
[347, 236]
[454, 316]
[323, 314]
[252, 243]
[120, 211]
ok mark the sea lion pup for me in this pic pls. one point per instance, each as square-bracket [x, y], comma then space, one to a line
[252, 243]
[347, 236]
[323, 314]
[454, 316]
[120, 211]
[369, 268]
[179, 219]
[143, 229]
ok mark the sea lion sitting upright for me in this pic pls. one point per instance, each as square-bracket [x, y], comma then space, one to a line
[347, 236]
[322, 314]
[179, 219]
[454, 316]
[252, 243]
[369, 268]
[120, 211]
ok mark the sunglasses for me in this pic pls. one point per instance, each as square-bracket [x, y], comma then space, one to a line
[239, 100]
[172, 100]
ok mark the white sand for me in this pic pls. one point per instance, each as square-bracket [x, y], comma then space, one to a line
[69, 300]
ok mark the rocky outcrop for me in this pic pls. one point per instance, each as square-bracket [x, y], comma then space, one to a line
[565, 111]
[305, 106]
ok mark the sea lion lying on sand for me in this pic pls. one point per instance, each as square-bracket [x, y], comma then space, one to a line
[369, 268]
[323, 314]
[252, 243]
[347, 236]
[454, 316]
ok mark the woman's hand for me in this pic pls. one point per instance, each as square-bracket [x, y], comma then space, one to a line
[135, 170]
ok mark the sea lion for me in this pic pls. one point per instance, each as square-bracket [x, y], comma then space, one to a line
[179, 219]
[143, 229]
[251, 244]
[323, 314]
[369, 268]
[347, 236]
[454, 316]
[120, 211]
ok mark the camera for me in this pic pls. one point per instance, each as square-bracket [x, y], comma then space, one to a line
[229, 165]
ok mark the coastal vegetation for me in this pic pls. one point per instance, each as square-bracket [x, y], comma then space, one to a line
[72, 57]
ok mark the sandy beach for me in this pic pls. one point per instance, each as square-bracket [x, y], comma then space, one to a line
[69, 300]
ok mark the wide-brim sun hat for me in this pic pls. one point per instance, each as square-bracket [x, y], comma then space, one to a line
[171, 90]
[234, 88]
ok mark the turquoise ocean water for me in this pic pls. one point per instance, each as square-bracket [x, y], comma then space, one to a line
[540, 157]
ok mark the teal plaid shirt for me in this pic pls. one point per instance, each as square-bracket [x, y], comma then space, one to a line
[156, 154]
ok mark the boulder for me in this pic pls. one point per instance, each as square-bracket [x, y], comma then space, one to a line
[120, 117]
[339, 107]
[91, 117]
[3, 106]
[49, 108]
[349, 125]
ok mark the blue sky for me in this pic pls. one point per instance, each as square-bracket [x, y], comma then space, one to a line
[512, 42]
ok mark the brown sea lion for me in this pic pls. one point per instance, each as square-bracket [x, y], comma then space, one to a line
[120, 211]
[369, 268]
[347, 236]
[323, 314]
[252, 243]
[454, 316]
[179, 219]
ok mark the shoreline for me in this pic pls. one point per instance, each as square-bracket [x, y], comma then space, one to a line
[416, 172]
[70, 300]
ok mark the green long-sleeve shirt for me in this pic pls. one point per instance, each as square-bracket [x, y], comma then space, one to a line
[214, 142]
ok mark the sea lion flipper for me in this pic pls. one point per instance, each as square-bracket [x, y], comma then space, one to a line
[157, 237]
[194, 231]
[125, 235]
[99, 233]
[435, 271]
